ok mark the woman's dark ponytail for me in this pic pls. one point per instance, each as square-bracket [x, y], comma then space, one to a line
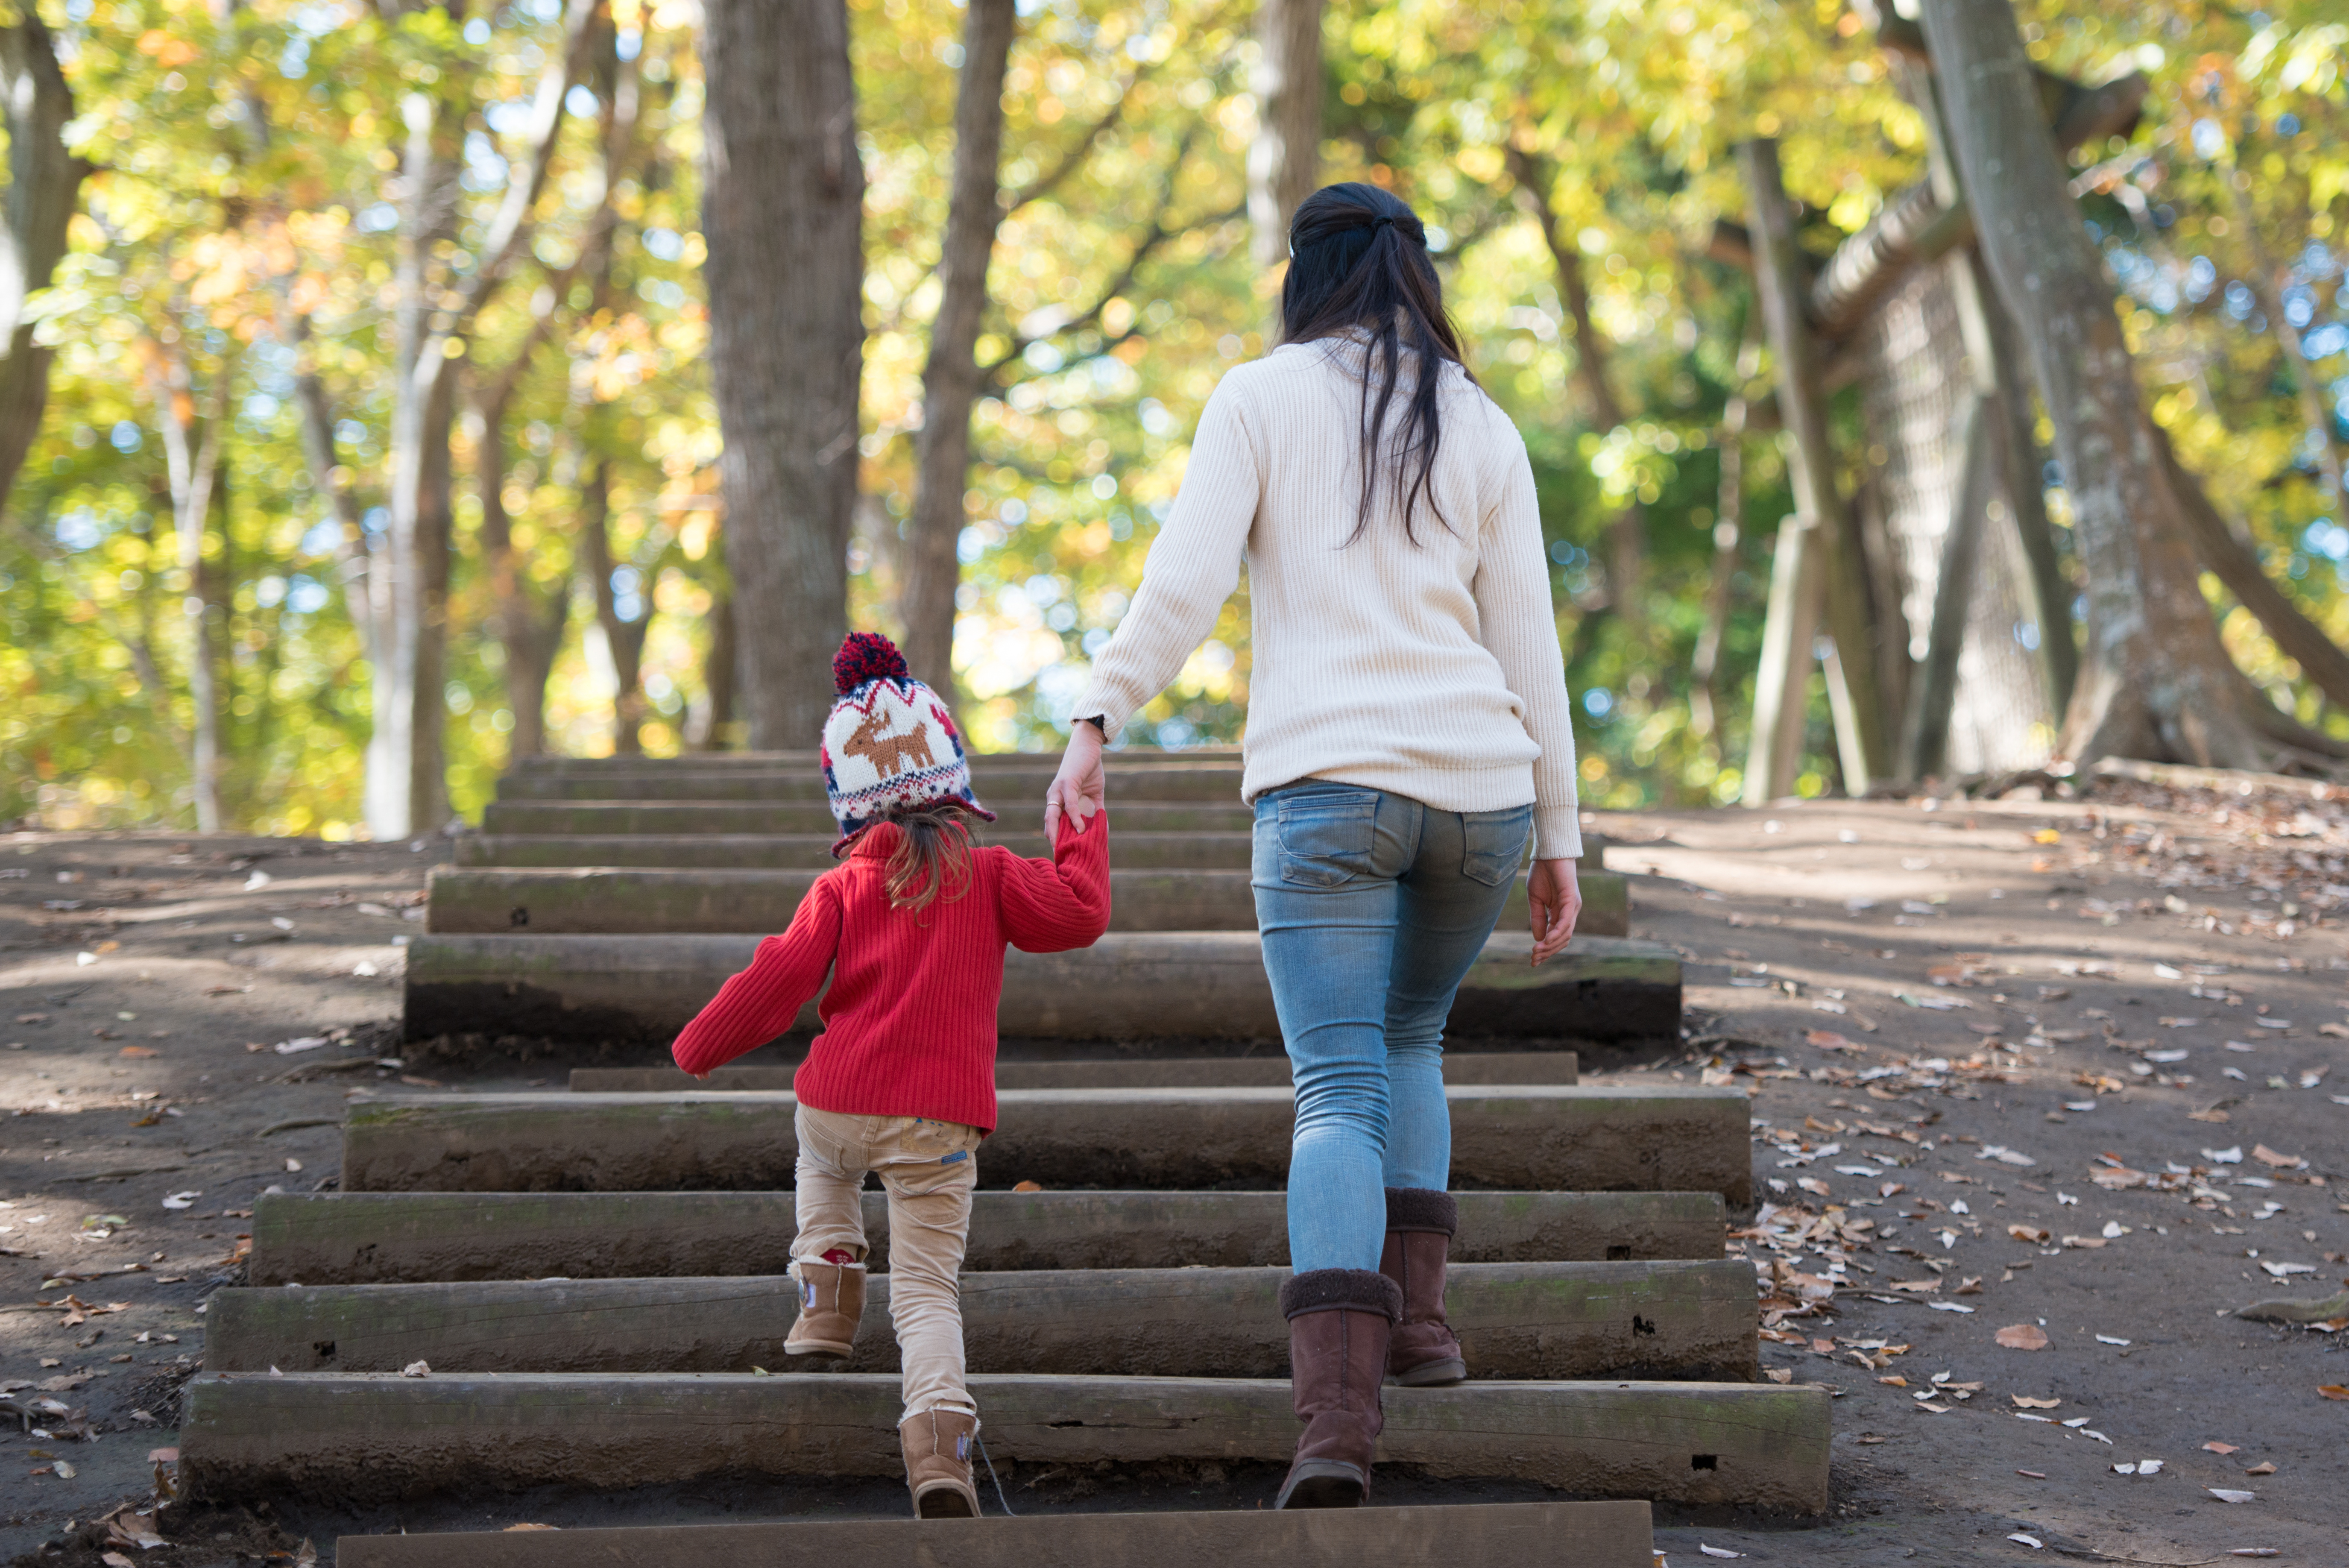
[1358, 261]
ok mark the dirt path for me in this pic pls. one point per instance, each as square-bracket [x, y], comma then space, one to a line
[1836, 958]
[1976, 1025]
[145, 984]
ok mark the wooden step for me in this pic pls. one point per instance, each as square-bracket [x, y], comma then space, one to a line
[1161, 985]
[590, 819]
[1007, 784]
[357, 1438]
[581, 901]
[1135, 1073]
[812, 851]
[1579, 1138]
[1667, 1320]
[1585, 1534]
[388, 1237]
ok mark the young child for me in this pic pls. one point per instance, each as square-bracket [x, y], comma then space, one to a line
[912, 928]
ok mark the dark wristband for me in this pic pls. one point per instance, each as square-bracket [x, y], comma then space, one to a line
[1099, 721]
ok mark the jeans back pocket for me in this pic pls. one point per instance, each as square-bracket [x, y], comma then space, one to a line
[1327, 835]
[1493, 843]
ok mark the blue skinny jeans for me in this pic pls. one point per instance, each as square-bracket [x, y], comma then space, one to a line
[1371, 906]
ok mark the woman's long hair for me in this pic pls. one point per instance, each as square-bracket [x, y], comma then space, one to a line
[1358, 261]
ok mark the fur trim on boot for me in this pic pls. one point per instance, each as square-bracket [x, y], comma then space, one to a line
[1357, 1290]
[1421, 1209]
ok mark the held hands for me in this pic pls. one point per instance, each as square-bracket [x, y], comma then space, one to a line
[1554, 902]
[1079, 787]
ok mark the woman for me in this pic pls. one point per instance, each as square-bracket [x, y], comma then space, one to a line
[1408, 731]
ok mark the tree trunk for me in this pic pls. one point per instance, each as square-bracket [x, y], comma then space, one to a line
[717, 666]
[1851, 618]
[191, 453]
[1284, 162]
[2155, 682]
[625, 640]
[1704, 668]
[331, 479]
[1626, 535]
[933, 567]
[2050, 594]
[1925, 743]
[399, 586]
[435, 549]
[2236, 562]
[782, 208]
[1782, 682]
[44, 184]
[530, 632]
[435, 302]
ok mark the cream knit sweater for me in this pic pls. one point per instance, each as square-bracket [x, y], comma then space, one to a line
[1428, 670]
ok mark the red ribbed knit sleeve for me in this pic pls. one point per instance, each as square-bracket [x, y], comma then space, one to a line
[763, 1000]
[1053, 906]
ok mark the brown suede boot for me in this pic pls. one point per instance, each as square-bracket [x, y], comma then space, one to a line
[1420, 1224]
[831, 1300]
[938, 1463]
[1340, 1321]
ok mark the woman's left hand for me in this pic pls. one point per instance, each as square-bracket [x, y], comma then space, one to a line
[1553, 903]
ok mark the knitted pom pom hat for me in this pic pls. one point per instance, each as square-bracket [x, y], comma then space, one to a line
[889, 742]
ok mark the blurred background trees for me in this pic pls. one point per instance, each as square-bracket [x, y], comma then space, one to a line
[362, 364]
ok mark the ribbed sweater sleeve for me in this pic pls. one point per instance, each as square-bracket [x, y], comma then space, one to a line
[762, 1002]
[1052, 906]
[1192, 568]
[1516, 624]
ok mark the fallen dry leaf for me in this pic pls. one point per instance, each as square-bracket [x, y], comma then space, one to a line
[2229, 1494]
[2028, 1233]
[2333, 1391]
[416, 1369]
[2023, 1337]
[2221, 1448]
[2265, 1468]
[138, 1051]
[2028, 1403]
[2267, 1156]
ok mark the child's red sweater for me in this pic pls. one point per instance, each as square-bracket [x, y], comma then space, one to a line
[909, 1021]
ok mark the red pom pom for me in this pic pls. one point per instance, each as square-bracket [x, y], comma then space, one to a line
[865, 655]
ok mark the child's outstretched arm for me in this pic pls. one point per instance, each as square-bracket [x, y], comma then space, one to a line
[1050, 906]
[762, 1001]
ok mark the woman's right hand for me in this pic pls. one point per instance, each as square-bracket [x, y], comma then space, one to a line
[1079, 788]
[1553, 903]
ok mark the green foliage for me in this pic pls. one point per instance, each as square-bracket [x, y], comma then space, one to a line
[240, 235]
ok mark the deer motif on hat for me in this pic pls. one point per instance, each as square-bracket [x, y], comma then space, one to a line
[889, 754]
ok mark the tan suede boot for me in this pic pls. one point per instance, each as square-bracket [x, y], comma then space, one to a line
[937, 1446]
[831, 1300]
